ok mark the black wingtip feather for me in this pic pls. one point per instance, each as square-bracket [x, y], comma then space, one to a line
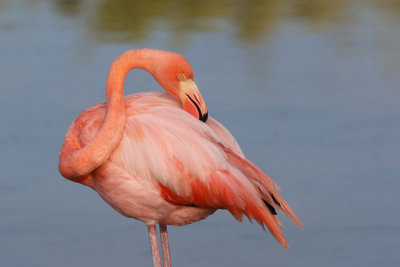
[269, 206]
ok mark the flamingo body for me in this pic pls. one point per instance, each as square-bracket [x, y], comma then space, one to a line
[151, 157]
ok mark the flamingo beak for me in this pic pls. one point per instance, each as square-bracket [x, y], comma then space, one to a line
[192, 101]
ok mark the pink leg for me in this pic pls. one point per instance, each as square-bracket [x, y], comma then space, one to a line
[155, 251]
[165, 245]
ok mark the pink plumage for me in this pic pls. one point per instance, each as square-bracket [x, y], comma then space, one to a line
[151, 157]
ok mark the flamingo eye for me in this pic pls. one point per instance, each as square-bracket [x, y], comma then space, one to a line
[181, 77]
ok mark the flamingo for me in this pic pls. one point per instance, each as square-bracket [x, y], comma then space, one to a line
[159, 158]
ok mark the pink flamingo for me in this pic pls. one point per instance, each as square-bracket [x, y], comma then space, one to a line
[160, 159]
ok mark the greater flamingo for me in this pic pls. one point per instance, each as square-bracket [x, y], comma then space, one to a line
[160, 159]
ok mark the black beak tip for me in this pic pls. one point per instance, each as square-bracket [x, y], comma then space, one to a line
[204, 117]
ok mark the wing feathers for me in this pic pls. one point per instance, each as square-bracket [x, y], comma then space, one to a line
[223, 190]
[198, 164]
[267, 187]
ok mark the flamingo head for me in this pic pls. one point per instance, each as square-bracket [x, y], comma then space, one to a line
[175, 75]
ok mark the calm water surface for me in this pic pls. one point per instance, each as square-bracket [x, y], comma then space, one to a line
[310, 89]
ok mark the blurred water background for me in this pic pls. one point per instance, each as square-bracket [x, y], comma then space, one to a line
[310, 89]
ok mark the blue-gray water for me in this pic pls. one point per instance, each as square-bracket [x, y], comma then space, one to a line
[310, 89]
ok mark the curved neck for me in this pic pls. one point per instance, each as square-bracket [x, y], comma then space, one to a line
[75, 160]
[140, 58]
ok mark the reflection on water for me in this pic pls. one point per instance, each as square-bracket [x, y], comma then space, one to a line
[249, 20]
[68, 7]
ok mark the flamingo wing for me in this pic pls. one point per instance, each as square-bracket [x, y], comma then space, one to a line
[190, 162]
[195, 163]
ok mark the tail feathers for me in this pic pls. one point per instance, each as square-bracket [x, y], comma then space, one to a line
[225, 191]
[265, 218]
[265, 184]
[243, 189]
[285, 208]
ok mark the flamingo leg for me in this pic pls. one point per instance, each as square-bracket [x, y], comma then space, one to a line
[155, 250]
[165, 245]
